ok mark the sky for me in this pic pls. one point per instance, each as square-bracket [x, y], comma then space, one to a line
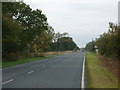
[84, 20]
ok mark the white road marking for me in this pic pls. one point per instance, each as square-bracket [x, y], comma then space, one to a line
[30, 72]
[43, 66]
[7, 81]
[83, 73]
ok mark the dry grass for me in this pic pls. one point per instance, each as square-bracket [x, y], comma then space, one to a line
[110, 64]
[55, 53]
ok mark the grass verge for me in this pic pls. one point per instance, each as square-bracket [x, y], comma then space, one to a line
[26, 60]
[21, 61]
[97, 75]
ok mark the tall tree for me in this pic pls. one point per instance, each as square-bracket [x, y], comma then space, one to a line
[24, 29]
[108, 43]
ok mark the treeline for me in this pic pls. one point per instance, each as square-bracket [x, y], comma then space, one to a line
[90, 46]
[62, 42]
[26, 31]
[109, 42]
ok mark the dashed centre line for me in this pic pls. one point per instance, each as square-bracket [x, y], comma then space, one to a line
[30, 72]
[7, 81]
[43, 66]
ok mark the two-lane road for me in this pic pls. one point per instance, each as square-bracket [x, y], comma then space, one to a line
[63, 71]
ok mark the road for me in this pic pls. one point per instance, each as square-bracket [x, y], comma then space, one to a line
[64, 71]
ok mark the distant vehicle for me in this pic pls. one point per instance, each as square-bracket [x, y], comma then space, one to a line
[82, 51]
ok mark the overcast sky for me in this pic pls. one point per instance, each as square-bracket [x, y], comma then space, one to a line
[84, 20]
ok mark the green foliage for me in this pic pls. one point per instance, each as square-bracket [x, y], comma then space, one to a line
[63, 42]
[26, 31]
[108, 43]
[10, 36]
[90, 46]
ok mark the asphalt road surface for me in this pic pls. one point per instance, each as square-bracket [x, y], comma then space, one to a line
[63, 71]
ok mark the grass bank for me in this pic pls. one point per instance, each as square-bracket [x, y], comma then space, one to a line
[26, 60]
[21, 61]
[97, 75]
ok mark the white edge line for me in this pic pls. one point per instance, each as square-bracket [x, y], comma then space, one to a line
[30, 72]
[8, 81]
[83, 73]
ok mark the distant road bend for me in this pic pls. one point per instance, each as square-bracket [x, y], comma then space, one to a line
[63, 71]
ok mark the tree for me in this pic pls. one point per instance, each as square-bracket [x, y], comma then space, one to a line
[63, 42]
[24, 29]
[90, 46]
[108, 43]
[10, 36]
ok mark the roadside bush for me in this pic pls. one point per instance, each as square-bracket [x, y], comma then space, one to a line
[108, 43]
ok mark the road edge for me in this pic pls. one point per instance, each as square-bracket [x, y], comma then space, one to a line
[83, 74]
